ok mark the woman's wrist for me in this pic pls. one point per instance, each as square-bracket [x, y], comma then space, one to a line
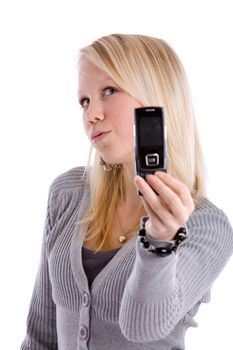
[161, 247]
[154, 235]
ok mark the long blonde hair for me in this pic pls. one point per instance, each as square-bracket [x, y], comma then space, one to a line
[149, 70]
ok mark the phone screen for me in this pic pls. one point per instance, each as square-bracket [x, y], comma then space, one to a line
[151, 127]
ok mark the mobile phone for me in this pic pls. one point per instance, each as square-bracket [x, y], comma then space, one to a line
[150, 140]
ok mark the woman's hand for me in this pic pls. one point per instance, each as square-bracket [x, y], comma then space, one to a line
[168, 211]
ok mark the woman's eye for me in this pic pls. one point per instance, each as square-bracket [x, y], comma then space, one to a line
[109, 90]
[84, 102]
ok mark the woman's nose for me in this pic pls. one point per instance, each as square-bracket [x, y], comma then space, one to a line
[95, 113]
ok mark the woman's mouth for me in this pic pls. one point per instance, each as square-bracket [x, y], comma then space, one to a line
[100, 137]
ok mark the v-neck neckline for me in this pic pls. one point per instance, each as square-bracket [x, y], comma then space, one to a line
[77, 263]
[76, 251]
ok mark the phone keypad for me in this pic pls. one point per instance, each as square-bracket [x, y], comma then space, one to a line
[152, 159]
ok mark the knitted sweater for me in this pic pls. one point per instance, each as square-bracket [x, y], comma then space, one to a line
[139, 300]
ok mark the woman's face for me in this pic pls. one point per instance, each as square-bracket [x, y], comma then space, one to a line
[108, 109]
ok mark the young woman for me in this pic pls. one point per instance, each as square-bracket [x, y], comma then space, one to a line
[100, 284]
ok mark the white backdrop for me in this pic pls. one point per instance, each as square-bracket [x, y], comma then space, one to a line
[42, 134]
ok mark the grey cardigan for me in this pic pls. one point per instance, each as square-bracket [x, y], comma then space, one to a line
[139, 300]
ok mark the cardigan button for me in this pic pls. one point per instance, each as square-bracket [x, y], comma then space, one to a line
[86, 299]
[83, 333]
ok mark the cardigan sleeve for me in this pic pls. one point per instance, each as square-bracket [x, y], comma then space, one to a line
[41, 321]
[161, 290]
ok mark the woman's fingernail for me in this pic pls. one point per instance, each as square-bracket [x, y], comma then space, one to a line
[138, 179]
[149, 177]
[160, 174]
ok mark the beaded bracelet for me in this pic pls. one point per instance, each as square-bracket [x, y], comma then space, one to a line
[172, 246]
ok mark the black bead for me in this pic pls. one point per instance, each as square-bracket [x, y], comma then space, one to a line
[174, 248]
[181, 235]
[144, 220]
[163, 251]
[142, 232]
[146, 244]
[181, 230]
[142, 239]
[151, 249]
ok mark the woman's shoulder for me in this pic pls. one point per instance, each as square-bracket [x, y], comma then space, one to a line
[70, 180]
[208, 216]
[205, 206]
[66, 193]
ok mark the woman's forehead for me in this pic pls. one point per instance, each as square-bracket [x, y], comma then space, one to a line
[88, 72]
[87, 68]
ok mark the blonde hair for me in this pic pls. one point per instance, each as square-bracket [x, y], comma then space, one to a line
[149, 70]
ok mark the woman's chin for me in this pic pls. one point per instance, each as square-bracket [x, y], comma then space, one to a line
[111, 159]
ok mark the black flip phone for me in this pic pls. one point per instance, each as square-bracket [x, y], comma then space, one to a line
[150, 140]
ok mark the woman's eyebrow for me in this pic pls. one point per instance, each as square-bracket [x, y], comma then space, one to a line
[102, 82]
